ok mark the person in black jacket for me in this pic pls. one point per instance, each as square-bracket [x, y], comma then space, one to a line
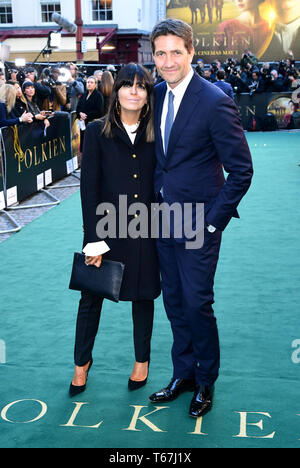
[29, 93]
[119, 159]
[42, 90]
[221, 84]
[8, 117]
[90, 106]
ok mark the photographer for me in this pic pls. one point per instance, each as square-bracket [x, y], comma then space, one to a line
[58, 91]
[265, 73]
[249, 59]
[200, 67]
[235, 79]
[208, 76]
[42, 91]
[255, 84]
[276, 85]
[75, 88]
[287, 65]
[291, 81]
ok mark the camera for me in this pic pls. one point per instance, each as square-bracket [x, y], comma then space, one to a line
[266, 74]
[214, 67]
[292, 72]
[47, 78]
[253, 87]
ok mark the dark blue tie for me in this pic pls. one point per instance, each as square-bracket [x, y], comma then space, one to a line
[169, 120]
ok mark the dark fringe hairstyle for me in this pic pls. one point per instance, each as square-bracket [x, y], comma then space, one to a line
[126, 76]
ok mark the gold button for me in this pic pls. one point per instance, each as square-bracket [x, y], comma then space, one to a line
[107, 212]
[135, 176]
[136, 215]
[134, 156]
[136, 195]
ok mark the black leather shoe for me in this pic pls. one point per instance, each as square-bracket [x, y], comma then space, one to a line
[202, 401]
[173, 390]
[77, 389]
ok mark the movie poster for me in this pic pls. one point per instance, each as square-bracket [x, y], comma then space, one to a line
[227, 28]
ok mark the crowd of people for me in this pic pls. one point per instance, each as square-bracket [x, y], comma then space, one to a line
[29, 96]
[248, 76]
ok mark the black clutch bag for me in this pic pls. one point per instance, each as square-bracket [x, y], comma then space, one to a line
[103, 282]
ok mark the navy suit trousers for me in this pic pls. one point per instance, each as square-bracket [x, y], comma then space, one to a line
[188, 294]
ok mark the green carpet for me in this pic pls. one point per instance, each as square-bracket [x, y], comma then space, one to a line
[257, 305]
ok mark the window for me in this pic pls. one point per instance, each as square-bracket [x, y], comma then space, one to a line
[102, 10]
[48, 8]
[6, 16]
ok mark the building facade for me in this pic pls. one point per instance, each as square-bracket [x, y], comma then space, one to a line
[114, 31]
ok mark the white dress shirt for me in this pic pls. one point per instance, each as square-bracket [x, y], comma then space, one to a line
[178, 92]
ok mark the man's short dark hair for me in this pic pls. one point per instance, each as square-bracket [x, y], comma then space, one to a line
[175, 27]
[221, 74]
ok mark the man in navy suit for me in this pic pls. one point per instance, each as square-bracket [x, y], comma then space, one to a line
[198, 132]
[221, 83]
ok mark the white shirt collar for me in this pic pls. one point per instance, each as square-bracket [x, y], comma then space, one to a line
[292, 27]
[180, 89]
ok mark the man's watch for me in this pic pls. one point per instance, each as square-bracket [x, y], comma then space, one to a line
[211, 228]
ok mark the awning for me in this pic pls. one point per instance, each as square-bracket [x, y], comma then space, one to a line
[27, 43]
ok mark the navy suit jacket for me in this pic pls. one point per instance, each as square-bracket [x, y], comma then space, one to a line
[225, 87]
[206, 137]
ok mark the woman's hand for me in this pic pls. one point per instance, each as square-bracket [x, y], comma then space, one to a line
[26, 117]
[95, 261]
[40, 116]
[47, 123]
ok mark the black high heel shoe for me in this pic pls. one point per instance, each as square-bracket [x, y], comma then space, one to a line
[136, 384]
[77, 389]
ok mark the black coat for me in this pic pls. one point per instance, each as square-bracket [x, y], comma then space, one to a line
[111, 167]
[93, 107]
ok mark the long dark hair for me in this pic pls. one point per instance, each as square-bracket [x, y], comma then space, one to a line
[126, 76]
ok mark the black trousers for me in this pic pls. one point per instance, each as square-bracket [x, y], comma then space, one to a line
[88, 320]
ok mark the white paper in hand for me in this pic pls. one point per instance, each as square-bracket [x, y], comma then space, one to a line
[81, 124]
[96, 248]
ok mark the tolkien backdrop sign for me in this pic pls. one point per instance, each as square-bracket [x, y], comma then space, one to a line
[259, 105]
[35, 158]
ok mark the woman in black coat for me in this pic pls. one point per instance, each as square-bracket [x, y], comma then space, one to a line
[90, 106]
[119, 159]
